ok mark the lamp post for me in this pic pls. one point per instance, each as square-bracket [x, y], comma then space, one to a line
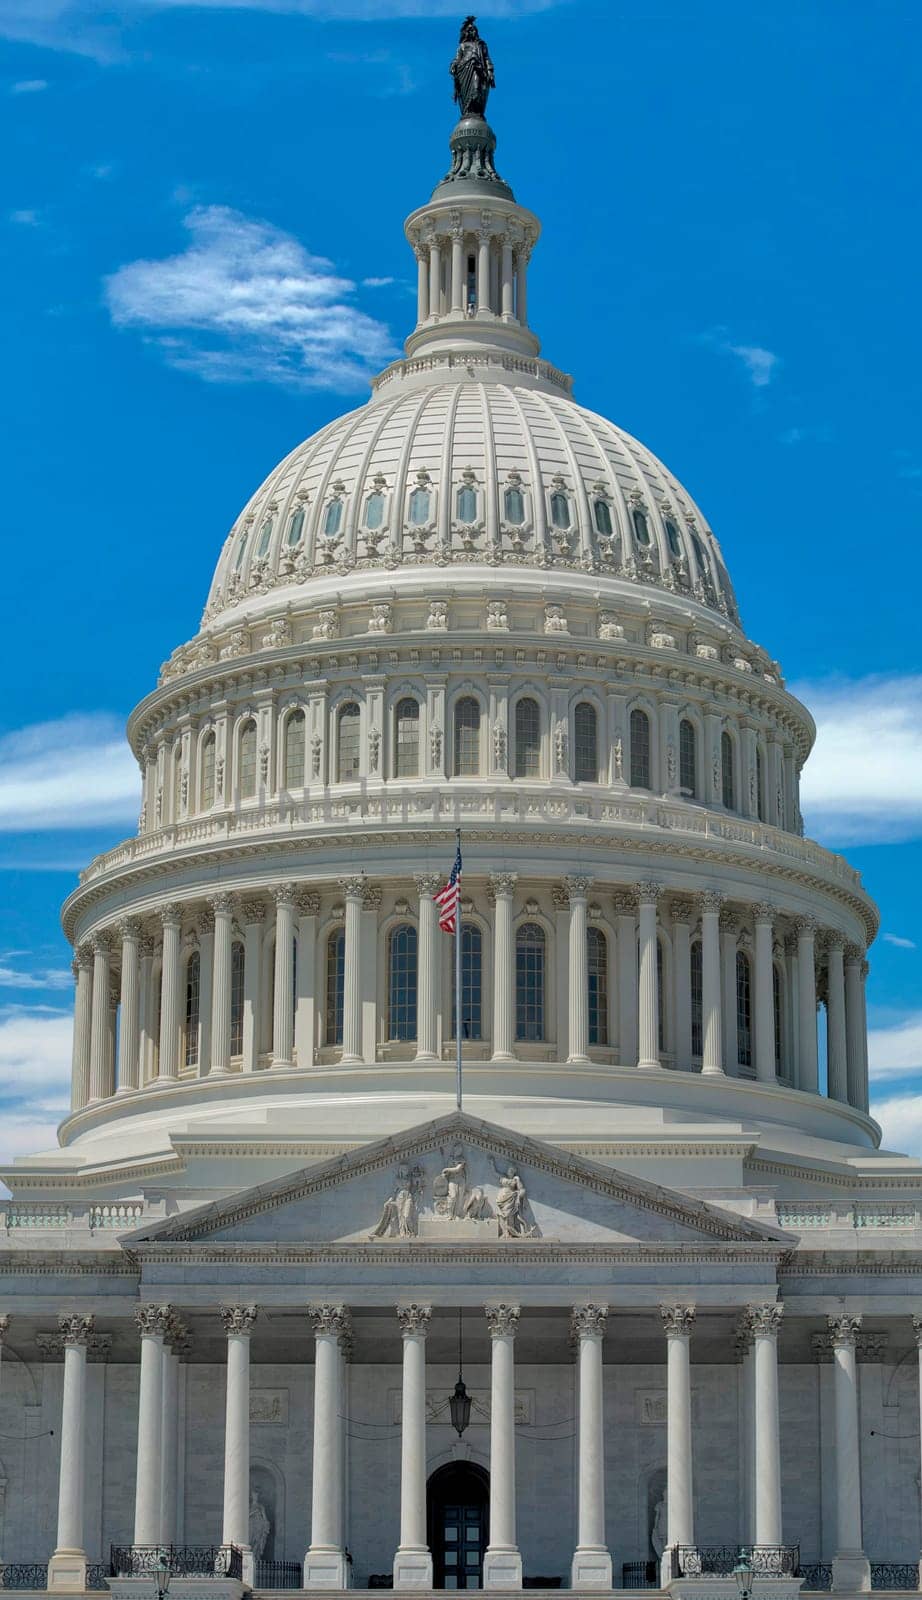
[742, 1573]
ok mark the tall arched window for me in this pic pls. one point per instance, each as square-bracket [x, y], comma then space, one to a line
[777, 1002]
[335, 987]
[697, 1001]
[177, 781]
[294, 751]
[236, 1017]
[247, 783]
[727, 786]
[560, 509]
[241, 550]
[527, 739]
[419, 507]
[374, 510]
[704, 566]
[206, 772]
[467, 738]
[530, 951]
[760, 785]
[333, 519]
[193, 995]
[406, 738]
[514, 506]
[471, 984]
[688, 759]
[640, 750]
[296, 527]
[466, 502]
[585, 743]
[262, 543]
[743, 1009]
[597, 971]
[348, 744]
[641, 526]
[601, 510]
[401, 983]
[672, 538]
[294, 980]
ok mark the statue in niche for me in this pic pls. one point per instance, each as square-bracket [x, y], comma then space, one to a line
[510, 1205]
[399, 1216]
[658, 1529]
[472, 71]
[260, 1526]
[451, 1195]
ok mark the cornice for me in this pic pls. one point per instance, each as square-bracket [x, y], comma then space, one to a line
[832, 1177]
[66, 1264]
[97, 1177]
[393, 1253]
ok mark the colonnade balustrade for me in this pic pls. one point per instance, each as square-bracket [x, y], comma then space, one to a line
[195, 989]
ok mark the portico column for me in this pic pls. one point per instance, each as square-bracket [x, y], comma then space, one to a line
[427, 883]
[648, 984]
[238, 1325]
[283, 1019]
[836, 1039]
[83, 1024]
[764, 1323]
[253, 916]
[129, 1006]
[502, 1567]
[413, 1561]
[484, 237]
[591, 1566]
[503, 887]
[806, 989]
[712, 1054]
[154, 1324]
[506, 280]
[854, 1025]
[171, 916]
[353, 890]
[521, 284]
[865, 969]
[917, 1331]
[457, 269]
[67, 1567]
[435, 278]
[729, 944]
[99, 1029]
[176, 1340]
[625, 904]
[325, 1565]
[677, 1323]
[578, 997]
[850, 1568]
[764, 995]
[223, 907]
[747, 1461]
[681, 958]
[422, 282]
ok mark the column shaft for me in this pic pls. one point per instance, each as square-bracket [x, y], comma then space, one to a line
[681, 955]
[625, 908]
[591, 1567]
[765, 1322]
[354, 889]
[850, 1569]
[238, 1324]
[836, 1041]
[854, 1026]
[99, 1032]
[507, 283]
[504, 968]
[806, 987]
[457, 270]
[578, 971]
[426, 886]
[422, 284]
[521, 287]
[764, 997]
[169, 1444]
[711, 1059]
[67, 1568]
[648, 985]
[283, 1018]
[413, 1562]
[678, 1321]
[223, 907]
[169, 996]
[129, 1009]
[83, 1026]
[435, 278]
[325, 1565]
[154, 1324]
[483, 273]
[503, 1563]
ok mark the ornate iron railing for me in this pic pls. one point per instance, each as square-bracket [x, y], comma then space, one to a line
[894, 1574]
[640, 1575]
[816, 1576]
[183, 1560]
[24, 1575]
[96, 1574]
[718, 1561]
[278, 1575]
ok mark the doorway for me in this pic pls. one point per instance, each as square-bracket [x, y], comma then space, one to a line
[457, 1503]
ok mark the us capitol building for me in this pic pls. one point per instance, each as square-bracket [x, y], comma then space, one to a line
[276, 1314]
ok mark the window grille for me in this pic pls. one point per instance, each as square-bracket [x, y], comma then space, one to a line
[688, 758]
[248, 761]
[348, 753]
[640, 750]
[697, 1001]
[406, 739]
[467, 738]
[743, 1009]
[527, 739]
[237, 985]
[597, 971]
[586, 743]
[727, 786]
[294, 751]
[529, 981]
[206, 789]
[401, 1020]
[336, 987]
[193, 995]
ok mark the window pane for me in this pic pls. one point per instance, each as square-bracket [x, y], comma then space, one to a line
[726, 771]
[419, 507]
[237, 970]
[641, 527]
[776, 999]
[333, 518]
[471, 985]
[660, 999]
[193, 991]
[336, 981]
[743, 1010]
[374, 510]
[672, 537]
[349, 751]
[467, 504]
[207, 778]
[248, 761]
[401, 1021]
[560, 510]
[602, 512]
[527, 739]
[241, 548]
[294, 751]
[467, 738]
[515, 507]
[640, 750]
[697, 1003]
[265, 534]
[586, 756]
[701, 556]
[687, 758]
[597, 966]
[406, 743]
[296, 526]
[529, 981]
[760, 773]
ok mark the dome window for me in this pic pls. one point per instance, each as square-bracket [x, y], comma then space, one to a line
[467, 503]
[701, 556]
[241, 551]
[697, 999]
[406, 739]
[467, 738]
[597, 983]
[238, 979]
[688, 759]
[527, 739]
[743, 1009]
[294, 751]
[585, 743]
[402, 978]
[530, 948]
[349, 754]
[207, 786]
[265, 534]
[471, 985]
[336, 987]
[641, 526]
[374, 510]
[672, 537]
[247, 778]
[514, 505]
[193, 997]
[419, 507]
[601, 510]
[727, 786]
[560, 509]
[332, 522]
[640, 750]
[296, 526]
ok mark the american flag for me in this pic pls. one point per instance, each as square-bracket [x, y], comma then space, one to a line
[449, 898]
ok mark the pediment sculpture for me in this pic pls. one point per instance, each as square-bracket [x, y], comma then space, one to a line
[447, 1204]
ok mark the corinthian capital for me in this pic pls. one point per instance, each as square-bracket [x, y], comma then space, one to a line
[223, 904]
[844, 1330]
[648, 892]
[502, 884]
[414, 1319]
[764, 911]
[766, 1320]
[285, 894]
[588, 1322]
[678, 1321]
[710, 900]
[578, 886]
[171, 914]
[239, 1319]
[427, 883]
[154, 1319]
[75, 1329]
[353, 888]
[329, 1319]
[129, 928]
[502, 1321]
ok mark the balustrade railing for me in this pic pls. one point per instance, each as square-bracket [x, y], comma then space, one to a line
[718, 1561]
[278, 1575]
[183, 1560]
[815, 1576]
[96, 1574]
[23, 1575]
[894, 1574]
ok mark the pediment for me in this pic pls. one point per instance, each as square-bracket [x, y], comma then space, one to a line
[463, 1181]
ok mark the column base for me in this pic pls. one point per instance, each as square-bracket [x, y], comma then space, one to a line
[326, 1569]
[578, 1061]
[713, 1072]
[425, 1055]
[502, 1569]
[590, 1569]
[413, 1569]
[278, 1062]
[503, 1055]
[67, 1571]
[851, 1570]
[351, 1061]
[248, 1564]
[648, 1066]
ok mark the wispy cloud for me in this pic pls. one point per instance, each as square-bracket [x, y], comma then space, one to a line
[25, 219]
[74, 773]
[41, 978]
[899, 941]
[759, 364]
[863, 782]
[900, 1118]
[29, 86]
[35, 1047]
[248, 303]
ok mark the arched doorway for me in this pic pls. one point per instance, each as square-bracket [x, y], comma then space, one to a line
[457, 1505]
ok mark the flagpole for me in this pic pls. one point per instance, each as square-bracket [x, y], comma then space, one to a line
[458, 1020]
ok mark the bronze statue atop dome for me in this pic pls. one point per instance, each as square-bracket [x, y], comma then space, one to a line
[472, 71]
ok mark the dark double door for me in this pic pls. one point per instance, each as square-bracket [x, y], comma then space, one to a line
[458, 1503]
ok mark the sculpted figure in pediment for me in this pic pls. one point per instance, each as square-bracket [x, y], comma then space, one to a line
[510, 1205]
[450, 1193]
[399, 1216]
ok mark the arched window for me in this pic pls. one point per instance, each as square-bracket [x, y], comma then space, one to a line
[760, 785]
[406, 738]
[697, 1001]
[294, 751]
[206, 778]
[601, 510]
[597, 970]
[241, 550]
[262, 543]
[467, 737]
[560, 509]
[514, 505]
[374, 510]
[348, 747]
[527, 739]
[585, 743]
[401, 983]
[296, 526]
[777, 998]
[688, 758]
[743, 1009]
[641, 526]
[332, 521]
[672, 538]
[247, 779]
[193, 994]
[471, 984]
[236, 1017]
[704, 565]
[530, 946]
[335, 987]
[640, 750]
[466, 502]
[419, 507]
[177, 781]
[727, 787]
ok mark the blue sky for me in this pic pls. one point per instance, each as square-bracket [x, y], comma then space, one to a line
[730, 198]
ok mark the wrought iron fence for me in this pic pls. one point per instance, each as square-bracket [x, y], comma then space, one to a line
[24, 1575]
[816, 1576]
[640, 1575]
[183, 1560]
[278, 1575]
[718, 1561]
[894, 1574]
[96, 1574]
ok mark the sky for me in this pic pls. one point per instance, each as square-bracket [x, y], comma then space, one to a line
[202, 261]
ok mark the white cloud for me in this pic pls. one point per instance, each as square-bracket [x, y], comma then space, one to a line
[35, 1051]
[43, 978]
[863, 782]
[900, 1120]
[25, 219]
[29, 86]
[897, 940]
[759, 363]
[376, 283]
[896, 1051]
[75, 773]
[247, 302]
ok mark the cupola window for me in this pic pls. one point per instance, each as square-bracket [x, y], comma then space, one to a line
[696, 977]
[527, 739]
[530, 953]
[586, 743]
[374, 510]
[206, 790]
[601, 510]
[247, 783]
[597, 976]
[641, 526]
[332, 522]
[778, 1018]
[701, 556]
[760, 786]
[560, 509]
[294, 751]
[467, 738]
[296, 526]
[743, 1009]
[238, 973]
[727, 786]
[265, 534]
[406, 739]
[193, 994]
[402, 979]
[419, 507]
[349, 748]
[467, 503]
[688, 759]
[514, 502]
[336, 987]
[241, 551]
[640, 750]
[672, 537]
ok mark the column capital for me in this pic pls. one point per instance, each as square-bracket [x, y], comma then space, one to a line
[578, 886]
[916, 1329]
[154, 1319]
[4, 1326]
[83, 958]
[625, 901]
[502, 885]
[101, 943]
[764, 911]
[648, 892]
[76, 1329]
[252, 912]
[171, 914]
[129, 928]
[682, 909]
[308, 903]
[854, 955]
[588, 1322]
[804, 927]
[711, 902]
[223, 904]
[502, 1320]
[765, 1321]
[353, 888]
[285, 894]
[835, 940]
[329, 1319]
[239, 1319]
[414, 1319]
[844, 1330]
[678, 1321]
[427, 883]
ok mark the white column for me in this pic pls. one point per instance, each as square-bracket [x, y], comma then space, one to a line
[205, 927]
[591, 1566]
[677, 1323]
[836, 1037]
[806, 990]
[83, 1025]
[353, 890]
[648, 982]
[521, 284]
[427, 883]
[171, 917]
[147, 949]
[457, 269]
[223, 907]
[712, 1054]
[764, 1323]
[154, 1323]
[625, 904]
[507, 281]
[917, 1331]
[850, 1568]
[854, 1025]
[238, 1325]
[764, 994]
[253, 916]
[681, 960]
[306, 1002]
[99, 1028]
[578, 953]
[422, 283]
[129, 1006]
[865, 969]
[746, 1439]
[435, 279]
[283, 1011]
[325, 1565]
[503, 887]
[502, 1567]
[413, 1561]
[67, 1567]
[483, 272]
[729, 937]
[169, 1434]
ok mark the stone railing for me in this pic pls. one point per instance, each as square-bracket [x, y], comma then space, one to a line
[109, 1216]
[36, 1214]
[802, 1216]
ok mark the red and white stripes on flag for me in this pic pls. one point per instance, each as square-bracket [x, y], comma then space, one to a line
[449, 898]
